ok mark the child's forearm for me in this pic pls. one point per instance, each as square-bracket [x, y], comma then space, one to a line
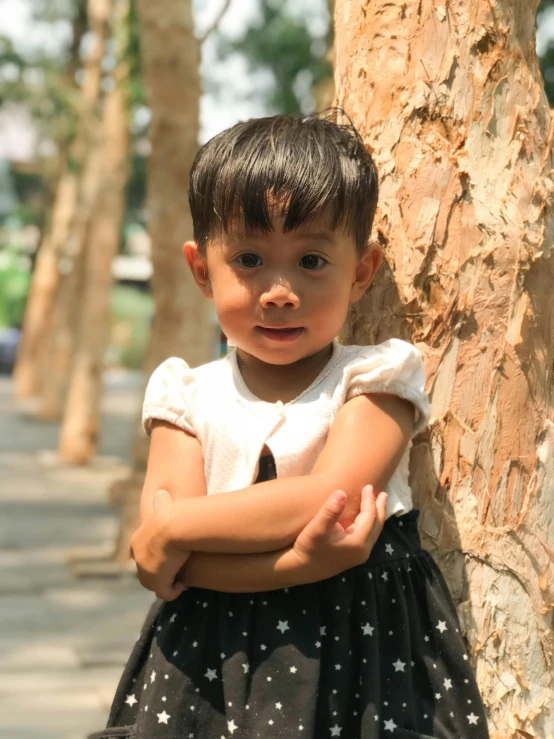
[265, 517]
[250, 573]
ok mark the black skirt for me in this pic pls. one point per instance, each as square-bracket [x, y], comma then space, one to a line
[374, 652]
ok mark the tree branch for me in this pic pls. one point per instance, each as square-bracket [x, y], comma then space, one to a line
[216, 22]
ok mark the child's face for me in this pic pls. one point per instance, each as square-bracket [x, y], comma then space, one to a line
[279, 296]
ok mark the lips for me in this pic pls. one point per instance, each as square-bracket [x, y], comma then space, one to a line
[281, 333]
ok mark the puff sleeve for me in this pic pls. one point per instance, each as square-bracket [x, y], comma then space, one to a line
[170, 396]
[394, 367]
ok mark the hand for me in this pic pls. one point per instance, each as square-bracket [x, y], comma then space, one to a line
[327, 547]
[158, 562]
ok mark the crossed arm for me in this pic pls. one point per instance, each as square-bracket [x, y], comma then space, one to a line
[242, 541]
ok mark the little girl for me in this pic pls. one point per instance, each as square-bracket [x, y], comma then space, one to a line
[277, 619]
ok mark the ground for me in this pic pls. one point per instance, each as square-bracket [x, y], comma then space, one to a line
[63, 639]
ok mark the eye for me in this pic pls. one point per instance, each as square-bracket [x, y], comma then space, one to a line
[313, 262]
[248, 260]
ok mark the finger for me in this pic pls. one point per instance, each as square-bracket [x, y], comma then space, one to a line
[331, 510]
[161, 500]
[381, 506]
[326, 519]
[170, 592]
[367, 496]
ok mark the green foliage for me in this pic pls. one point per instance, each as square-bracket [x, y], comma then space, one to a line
[281, 43]
[15, 280]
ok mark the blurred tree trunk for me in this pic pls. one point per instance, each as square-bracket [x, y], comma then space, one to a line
[324, 92]
[183, 324]
[46, 275]
[81, 417]
[58, 343]
[462, 135]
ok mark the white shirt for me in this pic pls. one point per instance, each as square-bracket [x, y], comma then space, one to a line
[213, 403]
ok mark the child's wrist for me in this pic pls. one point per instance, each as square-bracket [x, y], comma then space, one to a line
[303, 571]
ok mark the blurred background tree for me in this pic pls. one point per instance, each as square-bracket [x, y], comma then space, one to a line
[545, 46]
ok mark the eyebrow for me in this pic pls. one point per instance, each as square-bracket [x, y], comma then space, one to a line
[320, 236]
[315, 236]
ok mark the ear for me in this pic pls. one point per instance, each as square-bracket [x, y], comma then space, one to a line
[199, 267]
[366, 269]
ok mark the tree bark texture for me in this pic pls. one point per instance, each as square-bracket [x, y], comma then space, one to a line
[46, 275]
[81, 417]
[183, 324]
[448, 97]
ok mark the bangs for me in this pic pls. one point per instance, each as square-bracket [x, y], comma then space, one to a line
[301, 169]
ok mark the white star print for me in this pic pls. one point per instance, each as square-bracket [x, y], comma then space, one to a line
[336, 730]
[472, 718]
[426, 638]
[438, 696]
[385, 576]
[441, 626]
[447, 683]
[318, 644]
[293, 669]
[278, 706]
[399, 665]
[163, 717]
[283, 626]
[323, 631]
[465, 656]
[368, 630]
[263, 647]
[232, 726]
[388, 549]
[152, 676]
[270, 722]
[195, 644]
[390, 725]
[172, 619]
[246, 667]
[338, 667]
[211, 675]
[131, 700]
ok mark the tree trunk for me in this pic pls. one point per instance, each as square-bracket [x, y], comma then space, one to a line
[58, 343]
[183, 322]
[450, 101]
[81, 418]
[46, 275]
[324, 92]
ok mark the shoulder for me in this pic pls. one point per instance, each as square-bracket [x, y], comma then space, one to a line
[173, 389]
[394, 367]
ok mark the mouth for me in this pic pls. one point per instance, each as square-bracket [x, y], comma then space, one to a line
[281, 333]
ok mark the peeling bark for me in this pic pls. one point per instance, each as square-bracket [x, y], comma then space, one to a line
[449, 99]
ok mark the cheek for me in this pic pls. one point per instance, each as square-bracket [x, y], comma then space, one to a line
[234, 300]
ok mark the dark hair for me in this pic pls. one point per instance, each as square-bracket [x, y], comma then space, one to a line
[304, 167]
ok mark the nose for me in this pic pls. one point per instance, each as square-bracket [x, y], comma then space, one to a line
[279, 294]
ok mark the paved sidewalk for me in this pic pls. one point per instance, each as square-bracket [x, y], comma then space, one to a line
[63, 641]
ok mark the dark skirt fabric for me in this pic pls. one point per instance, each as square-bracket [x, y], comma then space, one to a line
[373, 652]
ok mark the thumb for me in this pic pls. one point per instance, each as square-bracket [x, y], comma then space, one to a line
[161, 500]
[332, 509]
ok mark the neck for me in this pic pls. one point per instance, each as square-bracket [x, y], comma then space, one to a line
[284, 382]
